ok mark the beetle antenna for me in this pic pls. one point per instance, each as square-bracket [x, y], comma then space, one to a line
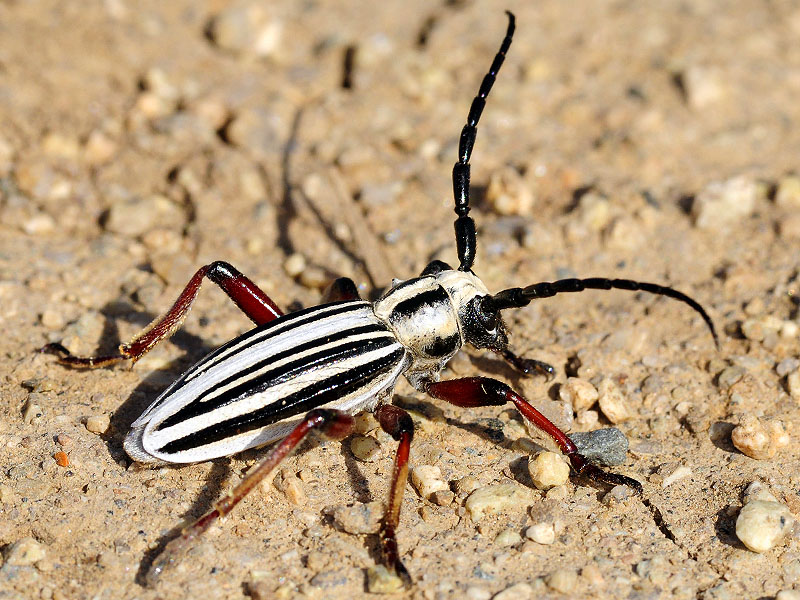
[464, 225]
[519, 297]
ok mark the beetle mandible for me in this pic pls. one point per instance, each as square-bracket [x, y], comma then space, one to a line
[312, 370]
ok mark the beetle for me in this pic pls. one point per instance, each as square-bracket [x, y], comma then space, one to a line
[313, 369]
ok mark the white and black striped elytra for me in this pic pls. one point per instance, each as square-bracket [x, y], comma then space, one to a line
[345, 355]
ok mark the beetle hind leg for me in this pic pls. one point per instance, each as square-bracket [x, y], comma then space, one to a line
[333, 424]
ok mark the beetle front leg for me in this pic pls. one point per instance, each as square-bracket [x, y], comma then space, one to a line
[483, 391]
[246, 294]
[397, 423]
[527, 366]
[333, 424]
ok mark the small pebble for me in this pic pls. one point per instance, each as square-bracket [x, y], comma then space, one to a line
[62, 460]
[247, 28]
[508, 193]
[547, 470]
[617, 494]
[541, 533]
[607, 446]
[466, 485]
[593, 211]
[518, 591]
[591, 573]
[508, 537]
[427, 479]
[365, 422]
[761, 524]
[587, 420]
[442, 497]
[98, 423]
[477, 593]
[787, 194]
[722, 203]
[294, 490]
[677, 475]
[294, 265]
[365, 448]
[578, 392]
[32, 412]
[25, 552]
[759, 440]
[382, 581]
[788, 595]
[703, 86]
[359, 518]
[612, 403]
[562, 580]
[793, 384]
[495, 498]
[138, 215]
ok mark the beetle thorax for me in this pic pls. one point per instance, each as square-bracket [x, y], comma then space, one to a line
[425, 315]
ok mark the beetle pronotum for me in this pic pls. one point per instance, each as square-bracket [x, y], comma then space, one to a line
[313, 369]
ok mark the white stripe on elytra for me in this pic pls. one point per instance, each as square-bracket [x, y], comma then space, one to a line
[269, 366]
[271, 332]
[155, 439]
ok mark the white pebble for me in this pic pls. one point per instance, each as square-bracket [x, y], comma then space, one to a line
[579, 393]
[365, 448]
[787, 194]
[788, 595]
[382, 581]
[562, 580]
[677, 475]
[761, 524]
[25, 552]
[724, 202]
[541, 533]
[359, 518]
[508, 193]
[703, 86]
[508, 537]
[793, 383]
[98, 423]
[495, 498]
[294, 265]
[548, 470]
[518, 591]
[759, 440]
[427, 479]
[612, 403]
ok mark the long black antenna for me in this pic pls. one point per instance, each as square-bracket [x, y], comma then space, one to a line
[465, 226]
[519, 297]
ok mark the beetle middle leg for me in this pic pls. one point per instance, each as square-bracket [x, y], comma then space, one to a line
[397, 423]
[341, 289]
[482, 391]
[331, 423]
[253, 302]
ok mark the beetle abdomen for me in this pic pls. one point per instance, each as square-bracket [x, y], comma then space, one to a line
[254, 389]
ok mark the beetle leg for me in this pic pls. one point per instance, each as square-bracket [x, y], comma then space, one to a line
[333, 424]
[397, 423]
[246, 294]
[483, 391]
[527, 366]
[340, 289]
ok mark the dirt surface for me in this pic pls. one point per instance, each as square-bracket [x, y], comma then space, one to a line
[299, 140]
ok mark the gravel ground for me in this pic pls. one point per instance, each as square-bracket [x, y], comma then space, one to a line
[300, 140]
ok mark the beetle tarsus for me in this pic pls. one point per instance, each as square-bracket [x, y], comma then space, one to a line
[528, 366]
[65, 357]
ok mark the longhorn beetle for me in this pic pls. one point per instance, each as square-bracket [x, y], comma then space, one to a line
[313, 369]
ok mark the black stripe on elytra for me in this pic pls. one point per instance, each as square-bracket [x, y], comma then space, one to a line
[319, 393]
[408, 307]
[252, 385]
[262, 332]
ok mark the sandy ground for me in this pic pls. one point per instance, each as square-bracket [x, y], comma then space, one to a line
[651, 141]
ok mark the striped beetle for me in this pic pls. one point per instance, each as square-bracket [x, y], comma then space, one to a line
[313, 369]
